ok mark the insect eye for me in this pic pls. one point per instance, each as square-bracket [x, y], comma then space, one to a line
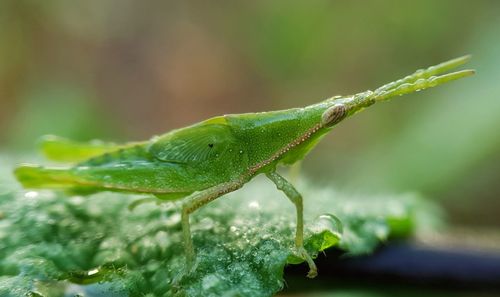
[333, 115]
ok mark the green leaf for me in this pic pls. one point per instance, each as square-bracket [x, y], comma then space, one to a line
[55, 245]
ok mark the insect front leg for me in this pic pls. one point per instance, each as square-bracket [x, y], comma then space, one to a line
[195, 201]
[294, 196]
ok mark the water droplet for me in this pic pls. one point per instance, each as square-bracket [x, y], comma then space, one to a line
[31, 195]
[331, 222]
[210, 281]
[173, 219]
[254, 205]
[381, 231]
[77, 200]
[206, 223]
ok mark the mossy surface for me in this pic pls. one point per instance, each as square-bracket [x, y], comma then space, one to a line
[57, 245]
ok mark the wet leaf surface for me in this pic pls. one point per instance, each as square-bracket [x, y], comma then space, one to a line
[57, 245]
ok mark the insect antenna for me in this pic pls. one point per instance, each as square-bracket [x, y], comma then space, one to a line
[423, 79]
[425, 73]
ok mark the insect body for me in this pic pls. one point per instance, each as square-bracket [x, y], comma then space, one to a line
[204, 161]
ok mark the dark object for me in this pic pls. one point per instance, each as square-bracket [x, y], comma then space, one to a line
[408, 264]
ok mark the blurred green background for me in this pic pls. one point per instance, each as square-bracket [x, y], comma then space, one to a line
[126, 70]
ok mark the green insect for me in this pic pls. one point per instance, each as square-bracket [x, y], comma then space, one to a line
[202, 162]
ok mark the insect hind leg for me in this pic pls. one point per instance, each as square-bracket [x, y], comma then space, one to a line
[194, 202]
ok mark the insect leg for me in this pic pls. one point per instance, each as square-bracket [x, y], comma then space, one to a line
[195, 201]
[294, 196]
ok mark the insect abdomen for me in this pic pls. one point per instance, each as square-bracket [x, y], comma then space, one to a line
[32, 176]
